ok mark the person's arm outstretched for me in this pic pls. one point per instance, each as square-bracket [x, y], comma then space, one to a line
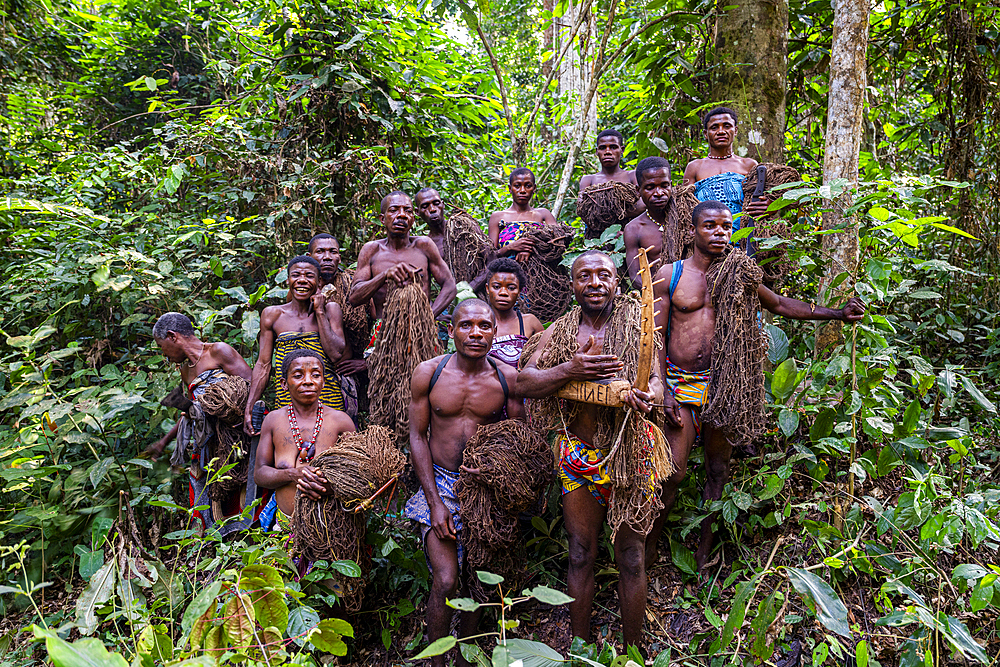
[852, 311]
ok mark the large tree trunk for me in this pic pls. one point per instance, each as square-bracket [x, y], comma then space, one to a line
[844, 132]
[751, 49]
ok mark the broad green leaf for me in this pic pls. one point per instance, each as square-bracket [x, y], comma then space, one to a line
[784, 379]
[201, 625]
[977, 396]
[328, 635]
[737, 613]
[270, 607]
[463, 604]
[958, 635]
[437, 647]
[861, 653]
[818, 594]
[261, 576]
[533, 654]
[489, 578]
[239, 621]
[150, 82]
[683, 558]
[788, 421]
[98, 591]
[348, 568]
[250, 327]
[777, 349]
[200, 604]
[83, 653]
[548, 595]
[301, 620]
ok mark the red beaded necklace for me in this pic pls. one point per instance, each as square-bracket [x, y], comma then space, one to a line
[308, 450]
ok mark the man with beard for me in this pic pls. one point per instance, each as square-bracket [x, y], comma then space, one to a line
[351, 369]
[646, 231]
[689, 321]
[451, 396]
[719, 177]
[584, 442]
[306, 321]
[400, 258]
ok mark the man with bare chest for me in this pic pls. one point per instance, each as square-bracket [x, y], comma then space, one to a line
[291, 437]
[307, 321]
[452, 395]
[689, 323]
[400, 258]
[201, 365]
[430, 208]
[646, 230]
[586, 441]
[610, 148]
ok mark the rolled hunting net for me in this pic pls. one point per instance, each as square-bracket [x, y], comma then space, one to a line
[601, 206]
[677, 231]
[467, 250]
[549, 290]
[774, 261]
[223, 403]
[736, 400]
[515, 468]
[357, 467]
[407, 337]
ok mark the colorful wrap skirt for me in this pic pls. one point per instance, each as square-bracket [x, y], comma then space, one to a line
[580, 467]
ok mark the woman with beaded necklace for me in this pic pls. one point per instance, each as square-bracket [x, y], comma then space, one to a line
[292, 436]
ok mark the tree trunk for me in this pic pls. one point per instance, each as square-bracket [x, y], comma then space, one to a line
[751, 49]
[844, 133]
[577, 67]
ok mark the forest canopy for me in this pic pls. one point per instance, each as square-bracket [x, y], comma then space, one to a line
[170, 155]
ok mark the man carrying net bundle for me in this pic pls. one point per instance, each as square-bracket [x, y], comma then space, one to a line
[199, 433]
[713, 355]
[351, 369]
[293, 436]
[610, 196]
[534, 238]
[661, 229]
[599, 340]
[452, 395]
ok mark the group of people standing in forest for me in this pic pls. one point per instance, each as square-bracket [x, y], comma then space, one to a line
[345, 349]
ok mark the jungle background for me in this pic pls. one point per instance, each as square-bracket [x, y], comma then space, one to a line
[164, 155]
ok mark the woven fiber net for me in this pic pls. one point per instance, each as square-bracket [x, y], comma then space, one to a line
[601, 206]
[408, 336]
[357, 321]
[736, 397]
[356, 467]
[223, 403]
[677, 232]
[549, 290]
[622, 434]
[515, 465]
[467, 250]
[774, 261]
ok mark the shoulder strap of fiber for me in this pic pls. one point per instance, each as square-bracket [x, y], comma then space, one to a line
[437, 371]
[674, 279]
[503, 380]
[520, 320]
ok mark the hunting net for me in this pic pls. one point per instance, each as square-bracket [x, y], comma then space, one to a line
[601, 206]
[224, 403]
[774, 261]
[634, 446]
[407, 337]
[467, 250]
[549, 290]
[356, 319]
[515, 468]
[736, 400]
